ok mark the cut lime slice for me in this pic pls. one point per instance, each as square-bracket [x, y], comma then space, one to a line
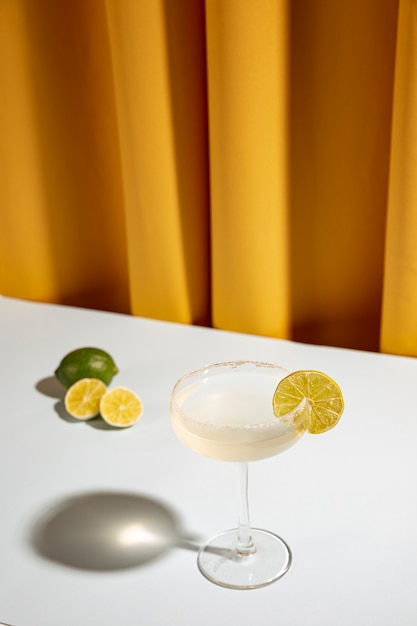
[82, 399]
[121, 407]
[324, 399]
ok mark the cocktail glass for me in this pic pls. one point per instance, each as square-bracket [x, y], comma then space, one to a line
[224, 411]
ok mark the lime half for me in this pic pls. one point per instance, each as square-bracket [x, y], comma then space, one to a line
[121, 407]
[82, 399]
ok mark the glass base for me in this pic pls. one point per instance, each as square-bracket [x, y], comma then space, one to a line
[219, 561]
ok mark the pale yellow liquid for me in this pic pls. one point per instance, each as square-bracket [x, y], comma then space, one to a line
[229, 417]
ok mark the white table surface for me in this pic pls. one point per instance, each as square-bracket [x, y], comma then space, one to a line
[344, 501]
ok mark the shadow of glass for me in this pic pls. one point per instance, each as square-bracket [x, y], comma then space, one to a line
[107, 531]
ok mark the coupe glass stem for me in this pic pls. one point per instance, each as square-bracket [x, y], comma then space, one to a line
[245, 545]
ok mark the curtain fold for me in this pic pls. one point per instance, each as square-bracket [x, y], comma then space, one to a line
[247, 165]
[158, 63]
[399, 319]
[62, 231]
[342, 76]
[247, 51]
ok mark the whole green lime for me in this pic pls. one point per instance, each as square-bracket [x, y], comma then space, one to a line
[86, 363]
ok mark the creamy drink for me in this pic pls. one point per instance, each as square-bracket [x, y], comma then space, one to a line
[229, 416]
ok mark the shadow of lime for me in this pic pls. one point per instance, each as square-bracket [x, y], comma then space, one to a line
[51, 387]
[107, 531]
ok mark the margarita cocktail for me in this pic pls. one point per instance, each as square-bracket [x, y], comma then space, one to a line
[243, 411]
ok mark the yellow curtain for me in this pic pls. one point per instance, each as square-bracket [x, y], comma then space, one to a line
[245, 164]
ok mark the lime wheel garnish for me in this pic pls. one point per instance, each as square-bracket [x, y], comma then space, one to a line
[321, 395]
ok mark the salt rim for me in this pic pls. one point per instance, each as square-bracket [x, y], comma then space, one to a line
[288, 418]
